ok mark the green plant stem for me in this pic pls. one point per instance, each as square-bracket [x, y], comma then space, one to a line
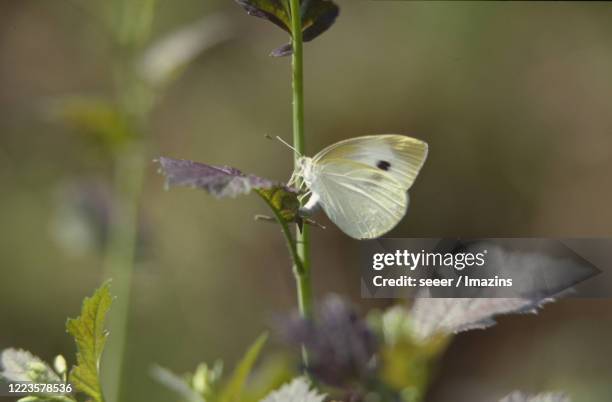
[301, 266]
[286, 233]
[135, 101]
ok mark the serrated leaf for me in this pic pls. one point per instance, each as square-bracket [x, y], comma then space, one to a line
[21, 365]
[317, 17]
[297, 390]
[518, 396]
[220, 181]
[447, 316]
[90, 336]
[232, 390]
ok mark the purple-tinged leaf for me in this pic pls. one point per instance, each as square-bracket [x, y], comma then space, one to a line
[449, 316]
[518, 396]
[285, 50]
[275, 11]
[340, 344]
[220, 181]
[224, 181]
[317, 17]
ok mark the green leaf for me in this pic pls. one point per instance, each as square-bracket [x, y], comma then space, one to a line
[272, 373]
[407, 361]
[317, 17]
[98, 119]
[90, 336]
[283, 201]
[232, 392]
[205, 379]
[21, 365]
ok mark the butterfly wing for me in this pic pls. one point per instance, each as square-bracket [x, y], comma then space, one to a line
[361, 201]
[362, 183]
[400, 156]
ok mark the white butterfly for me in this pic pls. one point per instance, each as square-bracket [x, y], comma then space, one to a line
[362, 183]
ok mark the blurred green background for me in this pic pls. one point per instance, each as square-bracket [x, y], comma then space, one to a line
[514, 99]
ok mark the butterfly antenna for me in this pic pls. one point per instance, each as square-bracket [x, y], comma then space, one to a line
[288, 145]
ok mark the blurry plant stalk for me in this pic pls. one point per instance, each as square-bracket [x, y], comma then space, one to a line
[134, 100]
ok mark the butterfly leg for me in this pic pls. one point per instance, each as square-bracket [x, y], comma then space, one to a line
[314, 223]
[292, 180]
[296, 180]
[302, 197]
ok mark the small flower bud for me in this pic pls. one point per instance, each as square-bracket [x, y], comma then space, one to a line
[59, 364]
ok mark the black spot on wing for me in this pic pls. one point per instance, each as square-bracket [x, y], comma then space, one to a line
[383, 165]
